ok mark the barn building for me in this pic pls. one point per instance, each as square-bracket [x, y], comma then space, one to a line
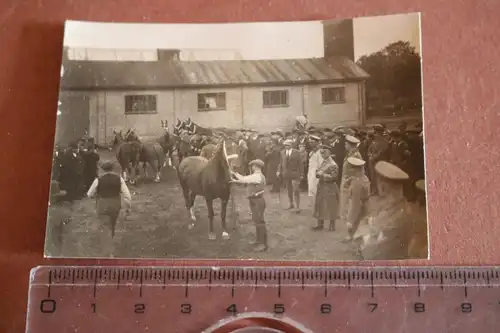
[100, 96]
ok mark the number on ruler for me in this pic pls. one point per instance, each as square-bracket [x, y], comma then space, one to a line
[279, 308]
[419, 307]
[47, 306]
[466, 307]
[186, 308]
[325, 308]
[232, 309]
[139, 308]
[373, 306]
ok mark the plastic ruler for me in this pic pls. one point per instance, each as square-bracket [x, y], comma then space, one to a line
[263, 299]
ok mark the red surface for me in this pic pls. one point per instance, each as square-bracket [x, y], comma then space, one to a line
[461, 45]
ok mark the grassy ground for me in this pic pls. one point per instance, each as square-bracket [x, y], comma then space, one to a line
[157, 227]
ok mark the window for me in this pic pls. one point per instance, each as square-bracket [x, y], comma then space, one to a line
[275, 98]
[332, 95]
[140, 104]
[211, 102]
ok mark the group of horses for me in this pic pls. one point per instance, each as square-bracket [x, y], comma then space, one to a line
[206, 174]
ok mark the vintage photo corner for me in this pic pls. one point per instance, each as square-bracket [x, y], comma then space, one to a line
[272, 141]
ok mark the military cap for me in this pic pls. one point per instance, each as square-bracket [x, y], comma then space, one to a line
[107, 166]
[314, 137]
[420, 184]
[288, 142]
[327, 145]
[356, 161]
[352, 139]
[378, 128]
[390, 172]
[257, 162]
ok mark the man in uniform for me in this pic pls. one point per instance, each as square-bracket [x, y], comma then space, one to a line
[290, 171]
[351, 148]
[358, 187]
[418, 247]
[378, 150]
[255, 184]
[315, 161]
[339, 151]
[389, 224]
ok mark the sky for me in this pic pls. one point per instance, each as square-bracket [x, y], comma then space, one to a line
[268, 40]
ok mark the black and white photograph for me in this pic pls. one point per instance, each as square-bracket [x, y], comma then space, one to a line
[297, 141]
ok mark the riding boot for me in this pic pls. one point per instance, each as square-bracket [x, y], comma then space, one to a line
[319, 226]
[257, 236]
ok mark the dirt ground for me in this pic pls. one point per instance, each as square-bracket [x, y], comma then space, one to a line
[157, 227]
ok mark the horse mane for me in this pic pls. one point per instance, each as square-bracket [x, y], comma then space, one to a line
[219, 160]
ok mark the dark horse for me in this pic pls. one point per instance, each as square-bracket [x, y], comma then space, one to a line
[127, 154]
[210, 179]
[149, 153]
[168, 142]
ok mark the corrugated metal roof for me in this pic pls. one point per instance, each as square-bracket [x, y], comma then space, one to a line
[179, 74]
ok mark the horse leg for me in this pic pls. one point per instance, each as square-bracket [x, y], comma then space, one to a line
[192, 198]
[223, 209]
[210, 207]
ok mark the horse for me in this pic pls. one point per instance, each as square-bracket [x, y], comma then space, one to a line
[149, 153]
[168, 143]
[127, 154]
[209, 178]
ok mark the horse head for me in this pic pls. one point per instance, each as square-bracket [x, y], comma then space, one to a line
[117, 138]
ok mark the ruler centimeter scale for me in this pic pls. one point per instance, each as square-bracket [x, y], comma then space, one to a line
[298, 299]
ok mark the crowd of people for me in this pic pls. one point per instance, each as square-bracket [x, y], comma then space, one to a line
[371, 180]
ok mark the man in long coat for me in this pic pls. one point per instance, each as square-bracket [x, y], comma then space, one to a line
[315, 161]
[390, 222]
[272, 161]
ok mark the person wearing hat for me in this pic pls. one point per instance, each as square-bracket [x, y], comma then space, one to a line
[389, 223]
[347, 171]
[358, 187]
[327, 194]
[378, 150]
[90, 163]
[290, 171]
[243, 153]
[315, 161]
[71, 173]
[339, 150]
[109, 189]
[272, 161]
[418, 247]
[255, 185]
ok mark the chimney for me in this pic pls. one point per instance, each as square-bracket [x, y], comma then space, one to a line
[168, 54]
[338, 38]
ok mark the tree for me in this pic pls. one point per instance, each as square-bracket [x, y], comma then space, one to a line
[395, 76]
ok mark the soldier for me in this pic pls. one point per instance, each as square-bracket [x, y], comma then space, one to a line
[358, 187]
[339, 151]
[315, 161]
[327, 195]
[377, 151]
[347, 170]
[255, 184]
[418, 247]
[389, 222]
[109, 189]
